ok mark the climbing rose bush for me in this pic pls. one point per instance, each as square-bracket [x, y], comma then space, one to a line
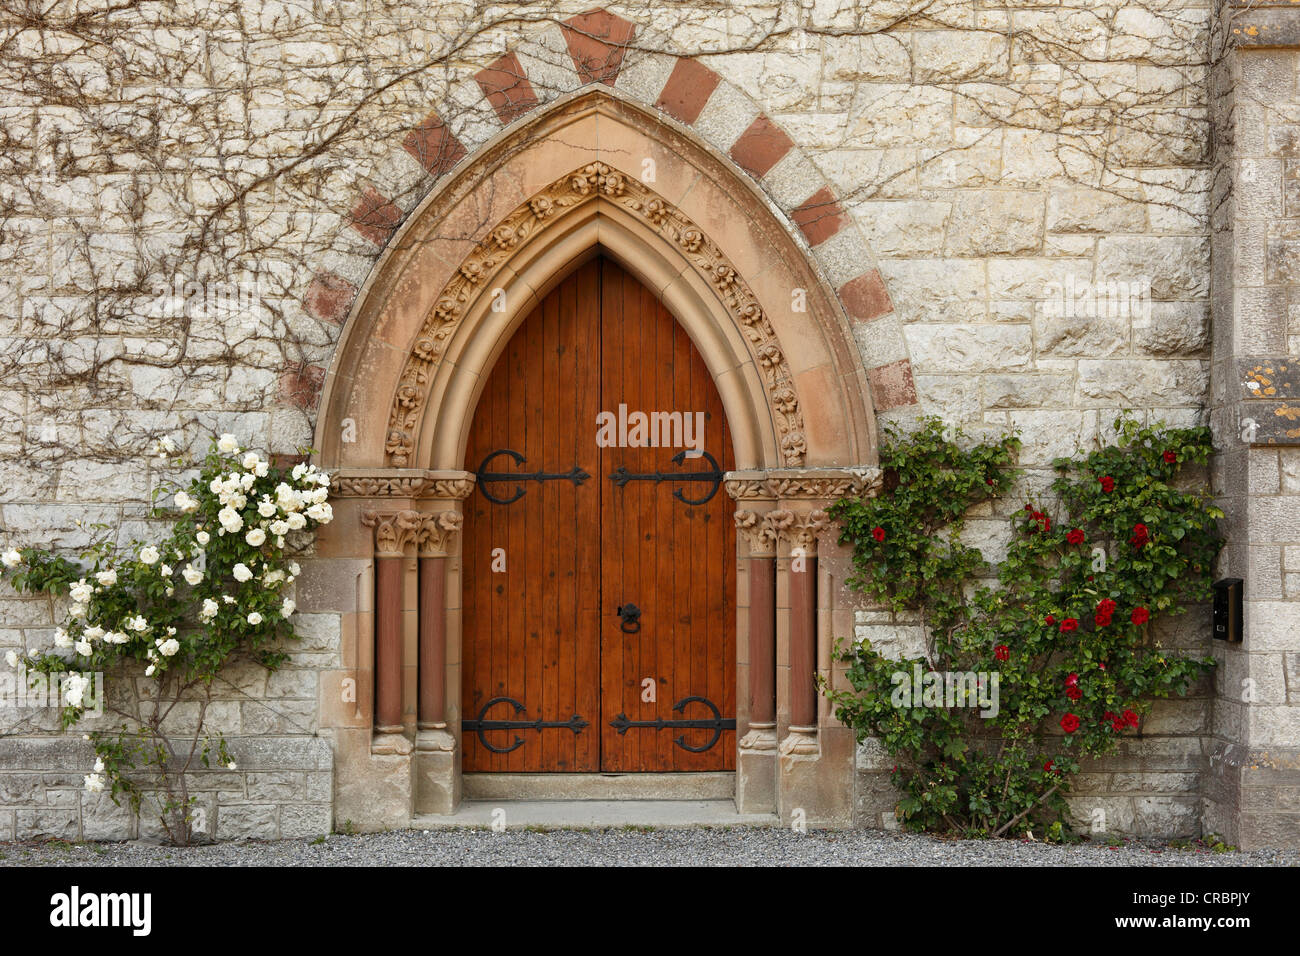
[1065, 620]
[176, 611]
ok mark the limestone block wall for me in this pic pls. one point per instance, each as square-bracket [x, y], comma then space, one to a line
[1011, 201]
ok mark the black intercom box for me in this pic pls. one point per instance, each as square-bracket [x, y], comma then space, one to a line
[1227, 610]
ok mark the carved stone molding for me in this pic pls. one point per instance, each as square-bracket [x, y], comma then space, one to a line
[803, 484]
[578, 187]
[800, 741]
[758, 535]
[437, 532]
[394, 530]
[759, 738]
[412, 484]
[799, 528]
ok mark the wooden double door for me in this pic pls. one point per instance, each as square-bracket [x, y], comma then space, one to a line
[599, 556]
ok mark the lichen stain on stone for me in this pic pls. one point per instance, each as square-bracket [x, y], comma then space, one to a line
[1288, 412]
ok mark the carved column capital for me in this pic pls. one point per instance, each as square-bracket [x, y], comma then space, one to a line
[438, 532]
[798, 528]
[394, 530]
[758, 534]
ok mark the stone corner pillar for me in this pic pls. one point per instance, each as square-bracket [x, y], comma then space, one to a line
[1253, 745]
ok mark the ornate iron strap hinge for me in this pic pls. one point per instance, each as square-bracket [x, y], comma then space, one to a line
[482, 727]
[574, 474]
[717, 724]
[620, 476]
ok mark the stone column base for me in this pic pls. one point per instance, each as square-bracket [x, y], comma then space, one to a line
[372, 789]
[814, 768]
[437, 782]
[756, 771]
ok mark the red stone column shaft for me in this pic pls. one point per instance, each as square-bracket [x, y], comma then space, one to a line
[803, 644]
[433, 642]
[762, 641]
[388, 644]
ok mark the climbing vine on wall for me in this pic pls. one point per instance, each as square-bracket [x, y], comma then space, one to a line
[1043, 659]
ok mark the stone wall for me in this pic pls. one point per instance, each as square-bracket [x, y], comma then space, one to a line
[959, 172]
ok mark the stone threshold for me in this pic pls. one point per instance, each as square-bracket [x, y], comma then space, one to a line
[581, 814]
[600, 786]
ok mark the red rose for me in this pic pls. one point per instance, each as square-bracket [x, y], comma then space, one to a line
[1075, 536]
[1071, 679]
[1073, 693]
[1141, 615]
[1029, 508]
[1102, 665]
[1002, 652]
[1107, 484]
[1049, 620]
[1170, 458]
[1130, 718]
[1101, 620]
[1069, 723]
[1106, 606]
[988, 481]
[878, 533]
[1046, 522]
[1070, 624]
[1140, 536]
[1047, 767]
[1117, 724]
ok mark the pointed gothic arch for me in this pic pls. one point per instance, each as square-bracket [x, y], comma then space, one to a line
[590, 174]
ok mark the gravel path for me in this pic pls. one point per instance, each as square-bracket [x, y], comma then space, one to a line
[739, 846]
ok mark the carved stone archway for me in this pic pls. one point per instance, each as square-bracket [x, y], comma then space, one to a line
[593, 174]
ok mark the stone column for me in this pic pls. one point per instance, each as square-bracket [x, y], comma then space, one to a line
[437, 787]
[799, 529]
[756, 759]
[394, 532]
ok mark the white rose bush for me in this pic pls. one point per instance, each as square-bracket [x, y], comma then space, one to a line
[177, 611]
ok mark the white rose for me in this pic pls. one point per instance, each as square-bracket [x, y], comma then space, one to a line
[62, 638]
[80, 592]
[294, 568]
[215, 486]
[191, 576]
[12, 558]
[77, 611]
[99, 765]
[165, 570]
[169, 647]
[94, 783]
[149, 554]
[203, 538]
[250, 460]
[185, 503]
[83, 648]
[266, 507]
[227, 599]
[90, 633]
[254, 618]
[227, 444]
[296, 520]
[116, 637]
[287, 608]
[75, 688]
[262, 469]
[279, 528]
[106, 578]
[11, 658]
[230, 520]
[321, 512]
[246, 481]
[138, 623]
[242, 573]
[256, 537]
[299, 470]
[210, 608]
[148, 671]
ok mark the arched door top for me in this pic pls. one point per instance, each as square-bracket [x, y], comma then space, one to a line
[595, 174]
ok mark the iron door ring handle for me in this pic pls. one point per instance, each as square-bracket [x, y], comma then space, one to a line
[631, 618]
